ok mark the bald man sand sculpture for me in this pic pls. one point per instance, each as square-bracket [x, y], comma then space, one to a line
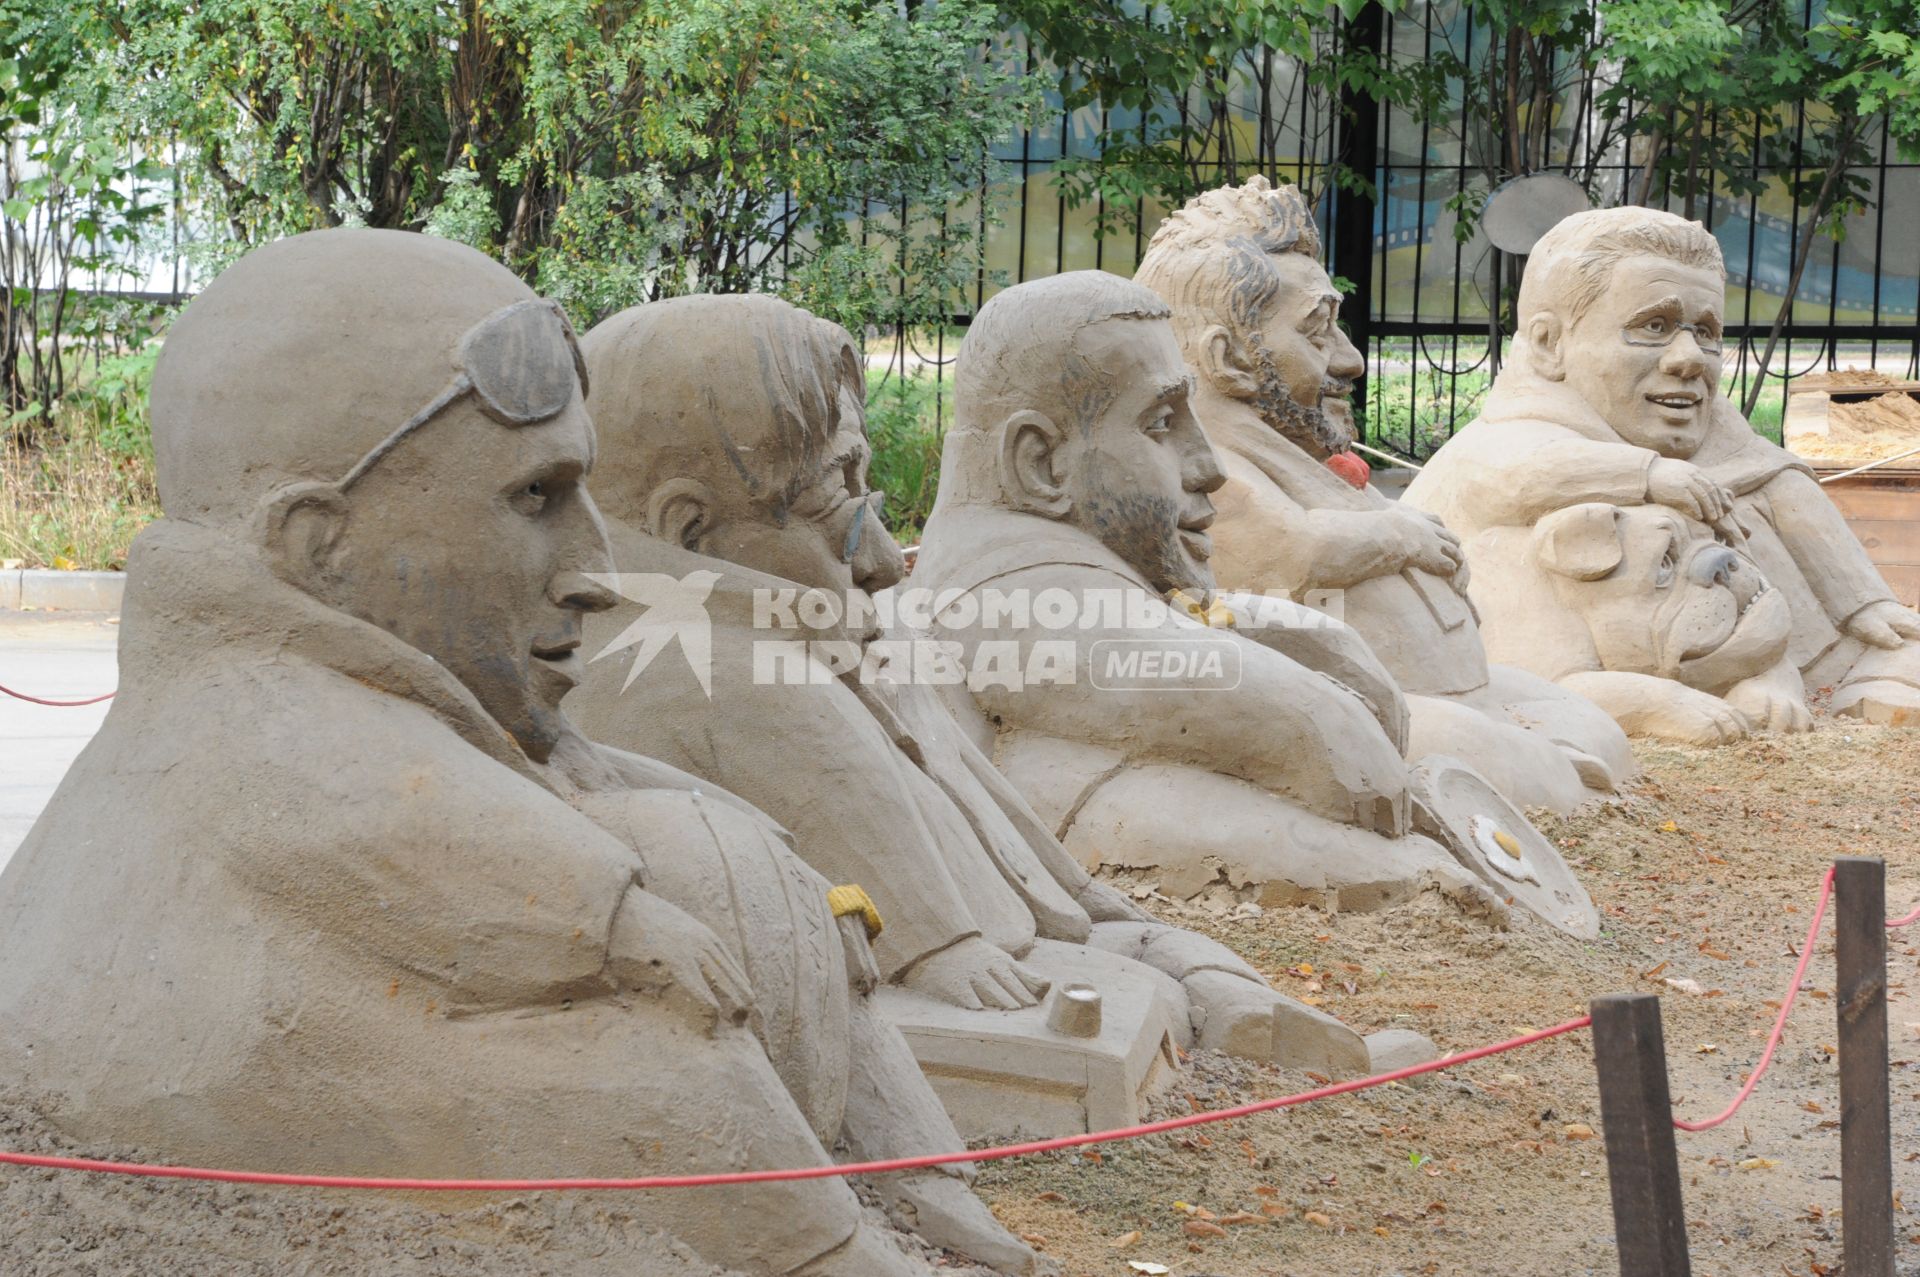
[1256, 317]
[734, 456]
[1612, 396]
[337, 888]
[1266, 753]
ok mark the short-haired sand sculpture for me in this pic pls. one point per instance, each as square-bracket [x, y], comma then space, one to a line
[1612, 396]
[1075, 469]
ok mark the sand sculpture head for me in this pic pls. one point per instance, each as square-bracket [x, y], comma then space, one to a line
[1255, 311]
[398, 423]
[1071, 402]
[764, 465]
[1626, 306]
[1657, 594]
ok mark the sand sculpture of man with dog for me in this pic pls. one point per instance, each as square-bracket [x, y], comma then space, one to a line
[338, 888]
[1611, 399]
[734, 446]
[1075, 468]
[1256, 316]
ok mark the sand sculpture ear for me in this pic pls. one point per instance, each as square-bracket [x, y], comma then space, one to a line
[301, 524]
[1582, 541]
[1545, 338]
[1224, 363]
[1029, 469]
[681, 511]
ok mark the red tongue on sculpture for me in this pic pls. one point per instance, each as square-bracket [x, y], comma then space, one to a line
[1351, 468]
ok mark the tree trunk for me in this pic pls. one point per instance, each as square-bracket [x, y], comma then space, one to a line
[1802, 254]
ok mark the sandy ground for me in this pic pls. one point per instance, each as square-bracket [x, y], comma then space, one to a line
[1706, 873]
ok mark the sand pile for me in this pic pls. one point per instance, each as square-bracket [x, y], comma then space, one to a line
[1861, 430]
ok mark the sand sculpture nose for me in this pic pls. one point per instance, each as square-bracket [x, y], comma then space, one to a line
[1713, 566]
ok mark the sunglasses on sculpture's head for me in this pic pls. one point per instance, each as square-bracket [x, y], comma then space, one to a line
[521, 363]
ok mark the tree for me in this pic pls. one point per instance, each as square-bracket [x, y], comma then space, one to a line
[610, 153]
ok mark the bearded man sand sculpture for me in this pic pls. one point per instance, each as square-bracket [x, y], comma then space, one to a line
[1256, 317]
[1076, 482]
[1611, 395]
[337, 888]
[735, 458]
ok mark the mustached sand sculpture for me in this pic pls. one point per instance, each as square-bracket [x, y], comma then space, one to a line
[1256, 317]
[1611, 395]
[734, 457]
[337, 888]
[1266, 753]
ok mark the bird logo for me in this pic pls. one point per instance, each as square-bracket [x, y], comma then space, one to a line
[676, 607]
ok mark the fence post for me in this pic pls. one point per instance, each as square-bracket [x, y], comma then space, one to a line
[1860, 998]
[1636, 1120]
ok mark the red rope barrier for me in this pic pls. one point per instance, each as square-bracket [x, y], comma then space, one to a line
[35, 700]
[1779, 1021]
[1905, 920]
[804, 1172]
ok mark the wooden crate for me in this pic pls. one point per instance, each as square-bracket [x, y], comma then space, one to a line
[1881, 506]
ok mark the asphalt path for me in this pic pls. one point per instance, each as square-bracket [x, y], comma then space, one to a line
[59, 656]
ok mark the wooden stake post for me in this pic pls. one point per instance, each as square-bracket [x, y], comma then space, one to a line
[1860, 997]
[1636, 1118]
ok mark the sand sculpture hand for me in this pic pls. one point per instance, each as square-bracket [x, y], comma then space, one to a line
[1683, 486]
[1107, 903]
[1773, 704]
[1427, 544]
[1695, 718]
[1884, 624]
[977, 976]
[660, 951]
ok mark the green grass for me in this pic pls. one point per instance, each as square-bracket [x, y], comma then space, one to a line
[903, 427]
[76, 497]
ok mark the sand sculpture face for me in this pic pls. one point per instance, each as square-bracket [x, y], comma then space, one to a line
[1660, 595]
[1083, 416]
[1256, 313]
[770, 470]
[1645, 353]
[482, 564]
[1135, 470]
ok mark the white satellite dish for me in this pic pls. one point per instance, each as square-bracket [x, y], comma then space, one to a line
[1523, 209]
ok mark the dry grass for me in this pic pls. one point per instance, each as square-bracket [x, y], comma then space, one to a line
[76, 502]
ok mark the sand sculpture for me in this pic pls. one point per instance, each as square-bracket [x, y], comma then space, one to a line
[1241, 740]
[337, 888]
[1255, 314]
[734, 456]
[1611, 395]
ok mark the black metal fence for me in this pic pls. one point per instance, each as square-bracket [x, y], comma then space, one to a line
[1425, 307]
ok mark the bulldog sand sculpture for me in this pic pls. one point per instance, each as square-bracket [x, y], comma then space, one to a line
[339, 889]
[1267, 752]
[1255, 314]
[1611, 396]
[734, 458]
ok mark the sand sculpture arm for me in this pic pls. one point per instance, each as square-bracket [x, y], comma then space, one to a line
[1279, 544]
[1814, 532]
[1519, 477]
[1328, 647]
[1282, 727]
[1646, 705]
